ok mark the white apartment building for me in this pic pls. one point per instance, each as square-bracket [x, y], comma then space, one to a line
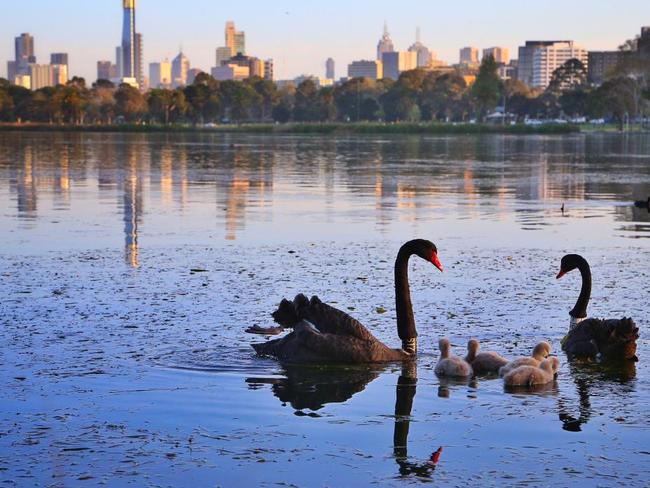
[546, 59]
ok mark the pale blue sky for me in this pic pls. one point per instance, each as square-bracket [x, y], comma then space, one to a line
[301, 34]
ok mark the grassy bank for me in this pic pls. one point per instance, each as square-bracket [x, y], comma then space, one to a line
[310, 128]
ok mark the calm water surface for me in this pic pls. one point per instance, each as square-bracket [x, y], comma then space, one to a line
[132, 263]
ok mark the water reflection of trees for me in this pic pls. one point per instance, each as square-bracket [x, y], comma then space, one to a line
[407, 178]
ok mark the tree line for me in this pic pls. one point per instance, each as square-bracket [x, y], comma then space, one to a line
[417, 95]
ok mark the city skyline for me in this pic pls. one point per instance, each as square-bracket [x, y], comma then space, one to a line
[299, 37]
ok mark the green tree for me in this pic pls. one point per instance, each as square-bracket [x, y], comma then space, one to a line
[306, 107]
[268, 92]
[570, 76]
[130, 103]
[487, 87]
[442, 97]
[238, 99]
[203, 99]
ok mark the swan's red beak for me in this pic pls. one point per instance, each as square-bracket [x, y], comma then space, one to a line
[436, 262]
[560, 274]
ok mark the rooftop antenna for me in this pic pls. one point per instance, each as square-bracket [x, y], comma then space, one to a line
[417, 34]
[385, 29]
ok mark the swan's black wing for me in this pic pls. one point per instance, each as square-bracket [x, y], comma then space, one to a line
[611, 338]
[327, 319]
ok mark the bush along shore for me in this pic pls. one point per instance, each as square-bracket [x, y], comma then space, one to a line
[306, 128]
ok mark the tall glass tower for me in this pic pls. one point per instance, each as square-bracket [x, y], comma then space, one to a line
[128, 40]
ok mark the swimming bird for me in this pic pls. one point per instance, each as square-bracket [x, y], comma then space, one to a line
[450, 365]
[643, 204]
[533, 375]
[483, 362]
[324, 334]
[606, 339]
[540, 352]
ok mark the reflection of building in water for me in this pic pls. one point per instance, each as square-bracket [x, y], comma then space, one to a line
[62, 177]
[25, 181]
[132, 209]
[166, 176]
[247, 181]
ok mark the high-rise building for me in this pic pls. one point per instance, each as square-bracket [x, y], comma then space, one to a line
[366, 69]
[385, 44]
[59, 58]
[24, 53]
[40, 75]
[395, 63]
[526, 52]
[118, 61]
[139, 68]
[269, 70]
[192, 74]
[235, 40]
[230, 72]
[240, 42]
[223, 55]
[500, 54]
[160, 74]
[601, 63]
[11, 71]
[104, 70]
[423, 54]
[128, 40]
[539, 59]
[330, 69]
[59, 74]
[230, 37]
[468, 55]
[180, 67]
[256, 67]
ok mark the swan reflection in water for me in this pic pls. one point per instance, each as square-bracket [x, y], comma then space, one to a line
[609, 380]
[312, 387]
[404, 395]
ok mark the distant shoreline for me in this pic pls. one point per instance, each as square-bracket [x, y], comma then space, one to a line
[306, 128]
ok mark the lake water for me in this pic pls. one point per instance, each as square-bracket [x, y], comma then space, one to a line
[131, 264]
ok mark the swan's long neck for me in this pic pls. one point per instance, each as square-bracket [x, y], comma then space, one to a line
[403, 306]
[580, 309]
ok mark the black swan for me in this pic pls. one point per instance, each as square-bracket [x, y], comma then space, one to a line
[607, 339]
[324, 334]
[643, 204]
[483, 362]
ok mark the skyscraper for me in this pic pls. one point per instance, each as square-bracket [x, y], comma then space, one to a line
[240, 42]
[104, 70]
[423, 53]
[223, 54]
[59, 58]
[269, 70]
[24, 56]
[385, 44]
[469, 55]
[500, 54]
[128, 40]
[180, 67]
[160, 74]
[139, 68]
[538, 60]
[329, 69]
[395, 63]
[230, 37]
[61, 70]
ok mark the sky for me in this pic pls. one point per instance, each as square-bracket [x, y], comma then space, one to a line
[301, 34]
